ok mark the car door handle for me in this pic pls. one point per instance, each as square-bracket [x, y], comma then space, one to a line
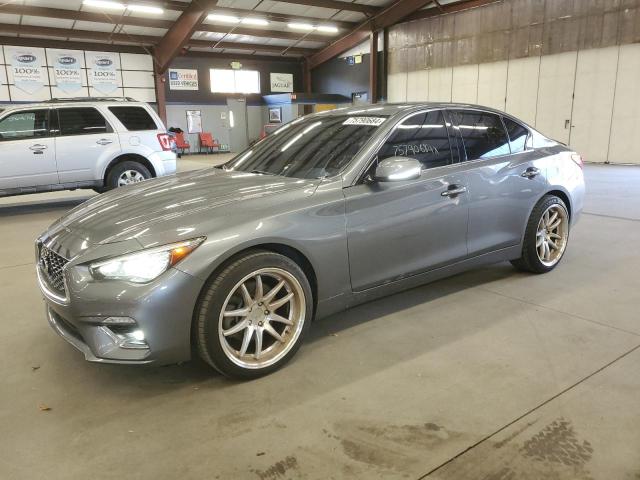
[530, 172]
[453, 191]
[104, 141]
[38, 147]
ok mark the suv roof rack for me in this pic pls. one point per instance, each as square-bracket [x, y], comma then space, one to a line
[90, 99]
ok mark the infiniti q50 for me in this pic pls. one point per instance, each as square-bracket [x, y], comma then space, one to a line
[233, 263]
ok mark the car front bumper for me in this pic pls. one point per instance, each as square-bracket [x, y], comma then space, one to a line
[158, 313]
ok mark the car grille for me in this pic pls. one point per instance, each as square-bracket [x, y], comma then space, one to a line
[51, 266]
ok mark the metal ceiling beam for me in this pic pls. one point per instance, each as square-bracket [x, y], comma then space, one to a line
[63, 14]
[179, 34]
[336, 5]
[450, 8]
[387, 17]
[140, 40]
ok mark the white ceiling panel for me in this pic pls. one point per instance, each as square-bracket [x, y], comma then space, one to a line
[349, 16]
[133, 30]
[96, 27]
[310, 44]
[47, 22]
[244, 4]
[7, 18]
[68, 4]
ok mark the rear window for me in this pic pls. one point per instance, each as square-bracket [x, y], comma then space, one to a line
[134, 118]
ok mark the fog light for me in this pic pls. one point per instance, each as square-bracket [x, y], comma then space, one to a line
[127, 338]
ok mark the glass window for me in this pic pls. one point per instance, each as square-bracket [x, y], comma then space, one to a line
[482, 134]
[234, 81]
[134, 118]
[81, 121]
[24, 124]
[517, 135]
[313, 147]
[423, 137]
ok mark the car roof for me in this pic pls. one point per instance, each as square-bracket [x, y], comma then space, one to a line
[394, 108]
[73, 103]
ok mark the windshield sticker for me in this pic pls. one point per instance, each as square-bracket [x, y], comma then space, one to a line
[368, 121]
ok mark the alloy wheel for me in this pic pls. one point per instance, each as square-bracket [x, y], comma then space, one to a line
[552, 235]
[130, 176]
[262, 318]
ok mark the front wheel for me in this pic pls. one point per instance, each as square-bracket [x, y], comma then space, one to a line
[252, 317]
[546, 236]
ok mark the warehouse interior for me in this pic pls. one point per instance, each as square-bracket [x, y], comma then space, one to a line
[489, 374]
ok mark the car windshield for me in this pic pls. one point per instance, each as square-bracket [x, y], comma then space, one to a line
[314, 147]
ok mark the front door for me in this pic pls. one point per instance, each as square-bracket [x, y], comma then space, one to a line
[399, 229]
[85, 139]
[238, 127]
[27, 152]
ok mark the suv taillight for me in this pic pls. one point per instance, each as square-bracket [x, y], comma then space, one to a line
[577, 159]
[165, 141]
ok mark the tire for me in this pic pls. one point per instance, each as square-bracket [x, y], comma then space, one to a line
[534, 257]
[138, 173]
[258, 315]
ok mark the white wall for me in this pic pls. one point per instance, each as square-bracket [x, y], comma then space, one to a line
[135, 79]
[589, 99]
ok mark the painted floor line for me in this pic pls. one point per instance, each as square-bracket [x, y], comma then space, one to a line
[528, 412]
[615, 217]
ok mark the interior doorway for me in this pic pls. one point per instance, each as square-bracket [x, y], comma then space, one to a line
[238, 124]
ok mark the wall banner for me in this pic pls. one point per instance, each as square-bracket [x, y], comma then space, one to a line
[183, 79]
[103, 73]
[26, 65]
[67, 69]
[281, 82]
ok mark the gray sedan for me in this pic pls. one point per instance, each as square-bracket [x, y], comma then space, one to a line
[331, 210]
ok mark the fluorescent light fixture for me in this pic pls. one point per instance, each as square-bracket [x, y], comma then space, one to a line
[145, 9]
[217, 17]
[327, 29]
[104, 4]
[301, 26]
[254, 21]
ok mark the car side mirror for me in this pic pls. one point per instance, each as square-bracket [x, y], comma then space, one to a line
[396, 169]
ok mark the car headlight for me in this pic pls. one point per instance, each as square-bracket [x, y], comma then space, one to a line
[144, 266]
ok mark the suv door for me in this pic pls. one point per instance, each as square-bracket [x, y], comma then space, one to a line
[399, 229]
[505, 180]
[84, 140]
[27, 156]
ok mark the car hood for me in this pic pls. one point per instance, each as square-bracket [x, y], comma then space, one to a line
[188, 201]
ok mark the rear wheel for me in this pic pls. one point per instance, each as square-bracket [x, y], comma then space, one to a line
[252, 317]
[546, 236]
[126, 173]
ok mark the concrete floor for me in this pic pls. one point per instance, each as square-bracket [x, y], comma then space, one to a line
[492, 374]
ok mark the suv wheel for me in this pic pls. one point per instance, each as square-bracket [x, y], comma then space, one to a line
[127, 173]
[252, 317]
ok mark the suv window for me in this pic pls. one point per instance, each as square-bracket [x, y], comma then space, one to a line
[24, 124]
[81, 121]
[422, 136]
[517, 135]
[134, 118]
[482, 134]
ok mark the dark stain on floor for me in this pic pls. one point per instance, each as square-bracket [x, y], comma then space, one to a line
[278, 470]
[555, 452]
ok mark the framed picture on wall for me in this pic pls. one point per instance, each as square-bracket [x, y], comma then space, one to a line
[194, 121]
[275, 114]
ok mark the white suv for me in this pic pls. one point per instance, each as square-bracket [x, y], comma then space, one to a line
[84, 143]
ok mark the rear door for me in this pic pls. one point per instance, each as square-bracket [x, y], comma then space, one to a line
[399, 229]
[504, 178]
[85, 139]
[27, 151]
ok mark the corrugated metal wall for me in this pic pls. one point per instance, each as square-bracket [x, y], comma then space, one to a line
[571, 68]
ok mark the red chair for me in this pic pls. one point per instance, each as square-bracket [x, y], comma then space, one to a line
[208, 142]
[181, 143]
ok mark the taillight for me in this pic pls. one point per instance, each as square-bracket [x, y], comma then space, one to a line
[165, 141]
[577, 159]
